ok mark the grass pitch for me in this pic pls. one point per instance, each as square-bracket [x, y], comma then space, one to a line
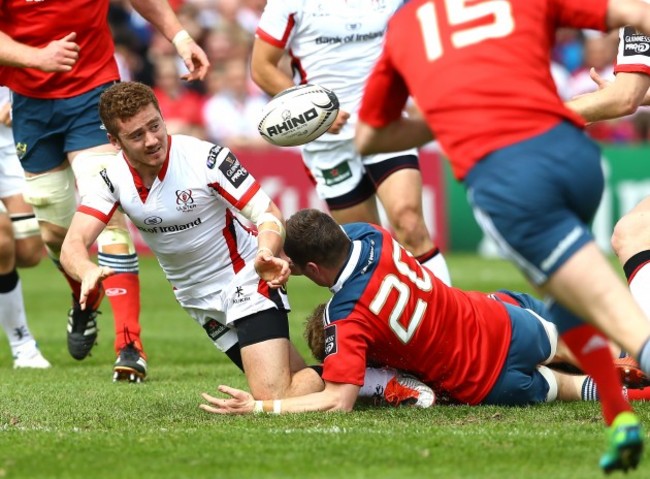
[73, 422]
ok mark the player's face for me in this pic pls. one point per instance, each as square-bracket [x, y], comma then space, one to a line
[143, 138]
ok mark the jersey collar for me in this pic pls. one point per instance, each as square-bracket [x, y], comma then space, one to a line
[350, 266]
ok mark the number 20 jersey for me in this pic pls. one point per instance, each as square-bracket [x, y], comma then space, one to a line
[389, 310]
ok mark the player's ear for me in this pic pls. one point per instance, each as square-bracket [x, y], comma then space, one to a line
[114, 141]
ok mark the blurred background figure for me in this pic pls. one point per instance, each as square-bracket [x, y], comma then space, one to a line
[20, 246]
[231, 115]
[181, 106]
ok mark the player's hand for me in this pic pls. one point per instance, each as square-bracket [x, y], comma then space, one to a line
[5, 114]
[598, 80]
[275, 271]
[341, 120]
[58, 55]
[91, 281]
[194, 57]
[239, 402]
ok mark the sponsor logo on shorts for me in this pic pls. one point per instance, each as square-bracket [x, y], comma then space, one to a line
[21, 150]
[330, 340]
[212, 156]
[214, 329]
[116, 292]
[635, 43]
[338, 174]
[107, 180]
[240, 296]
[234, 172]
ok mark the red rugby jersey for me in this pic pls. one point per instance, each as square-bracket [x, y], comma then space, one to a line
[36, 23]
[478, 70]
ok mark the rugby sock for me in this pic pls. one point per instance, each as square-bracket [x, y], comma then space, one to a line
[375, 381]
[95, 296]
[591, 349]
[123, 292]
[590, 392]
[435, 262]
[637, 272]
[12, 310]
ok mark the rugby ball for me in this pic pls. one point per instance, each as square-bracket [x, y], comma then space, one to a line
[298, 115]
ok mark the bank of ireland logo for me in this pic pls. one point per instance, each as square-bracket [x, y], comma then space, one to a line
[184, 200]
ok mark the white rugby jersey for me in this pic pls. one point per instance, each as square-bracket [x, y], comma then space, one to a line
[332, 43]
[187, 218]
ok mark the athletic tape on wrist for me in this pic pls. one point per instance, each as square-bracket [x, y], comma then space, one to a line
[277, 406]
[267, 217]
[259, 407]
[181, 37]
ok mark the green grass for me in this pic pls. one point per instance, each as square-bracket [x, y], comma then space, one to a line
[73, 422]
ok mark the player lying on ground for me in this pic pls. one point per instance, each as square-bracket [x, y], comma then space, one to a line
[387, 309]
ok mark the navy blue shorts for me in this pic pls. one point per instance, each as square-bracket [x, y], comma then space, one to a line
[536, 198]
[46, 130]
[520, 383]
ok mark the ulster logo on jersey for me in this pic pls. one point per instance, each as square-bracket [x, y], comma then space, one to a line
[184, 200]
[330, 340]
[233, 170]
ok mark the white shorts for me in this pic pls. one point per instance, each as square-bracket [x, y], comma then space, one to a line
[245, 295]
[12, 176]
[337, 168]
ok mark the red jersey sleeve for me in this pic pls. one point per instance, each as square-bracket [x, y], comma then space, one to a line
[385, 94]
[345, 360]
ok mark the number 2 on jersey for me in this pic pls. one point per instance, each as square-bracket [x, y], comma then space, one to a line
[458, 13]
[392, 283]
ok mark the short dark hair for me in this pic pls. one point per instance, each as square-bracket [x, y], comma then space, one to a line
[314, 236]
[123, 101]
[315, 333]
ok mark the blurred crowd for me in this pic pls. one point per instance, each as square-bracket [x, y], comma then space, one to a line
[225, 108]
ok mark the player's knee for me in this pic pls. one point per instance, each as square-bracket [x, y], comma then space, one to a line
[410, 229]
[86, 167]
[7, 250]
[29, 251]
[630, 234]
[115, 240]
[53, 197]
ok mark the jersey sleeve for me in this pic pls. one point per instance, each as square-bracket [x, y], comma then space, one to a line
[231, 180]
[385, 94]
[633, 52]
[278, 21]
[102, 199]
[580, 14]
[345, 352]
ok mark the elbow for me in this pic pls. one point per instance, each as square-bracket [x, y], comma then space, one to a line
[628, 105]
[363, 139]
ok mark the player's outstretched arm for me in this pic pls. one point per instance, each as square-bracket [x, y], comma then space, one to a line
[335, 397]
[75, 257]
[57, 56]
[629, 12]
[160, 14]
[613, 99]
[401, 134]
[265, 69]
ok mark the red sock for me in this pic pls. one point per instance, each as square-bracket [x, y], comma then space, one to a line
[639, 394]
[591, 349]
[95, 296]
[123, 291]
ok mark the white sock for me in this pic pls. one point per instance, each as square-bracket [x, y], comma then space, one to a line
[438, 266]
[375, 381]
[13, 318]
